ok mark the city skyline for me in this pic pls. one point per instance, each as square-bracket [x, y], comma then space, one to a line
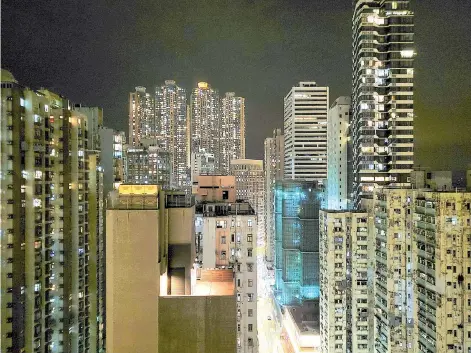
[270, 206]
[261, 70]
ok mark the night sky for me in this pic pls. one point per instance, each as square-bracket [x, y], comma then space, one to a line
[96, 52]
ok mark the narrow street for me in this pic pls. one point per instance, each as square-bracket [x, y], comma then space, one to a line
[268, 330]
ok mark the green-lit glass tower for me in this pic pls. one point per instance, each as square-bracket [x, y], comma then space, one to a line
[297, 205]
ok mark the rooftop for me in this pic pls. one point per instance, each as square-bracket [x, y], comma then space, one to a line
[213, 288]
[220, 208]
[306, 316]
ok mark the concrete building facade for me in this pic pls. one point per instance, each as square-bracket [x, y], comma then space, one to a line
[205, 122]
[228, 232]
[172, 125]
[346, 282]
[305, 132]
[51, 225]
[422, 267]
[338, 155]
[148, 165]
[142, 123]
[249, 176]
[210, 188]
[274, 170]
[233, 130]
[202, 163]
[382, 95]
[150, 252]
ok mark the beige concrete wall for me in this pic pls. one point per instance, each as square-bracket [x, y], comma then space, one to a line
[181, 225]
[194, 324]
[221, 183]
[132, 281]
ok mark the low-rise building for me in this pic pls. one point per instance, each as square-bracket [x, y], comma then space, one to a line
[210, 188]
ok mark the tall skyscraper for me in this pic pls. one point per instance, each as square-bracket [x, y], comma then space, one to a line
[422, 270]
[382, 95]
[305, 132]
[338, 155]
[171, 117]
[232, 130]
[346, 295]
[274, 170]
[142, 123]
[51, 225]
[297, 205]
[205, 121]
[112, 158]
[250, 186]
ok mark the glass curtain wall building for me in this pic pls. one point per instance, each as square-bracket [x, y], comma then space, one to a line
[297, 205]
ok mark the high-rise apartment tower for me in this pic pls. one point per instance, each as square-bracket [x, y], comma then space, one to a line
[232, 130]
[382, 97]
[52, 274]
[171, 118]
[205, 122]
[142, 124]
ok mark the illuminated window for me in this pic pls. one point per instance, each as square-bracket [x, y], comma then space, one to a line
[408, 53]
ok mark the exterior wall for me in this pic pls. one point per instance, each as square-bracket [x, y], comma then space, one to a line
[202, 163]
[197, 324]
[132, 253]
[250, 186]
[171, 120]
[382, 95]
[393, 257]
[148, 165]
[305, 132]
[106, 157]
[181, 241]
[422, 241]
[216, 188]
[49, 219]
[346, 303]
[297, 205]
[274, 170]
[95, 122]
[233, 130]
[206, 122]
[231, 241]
[142, 123]
[337, 156]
